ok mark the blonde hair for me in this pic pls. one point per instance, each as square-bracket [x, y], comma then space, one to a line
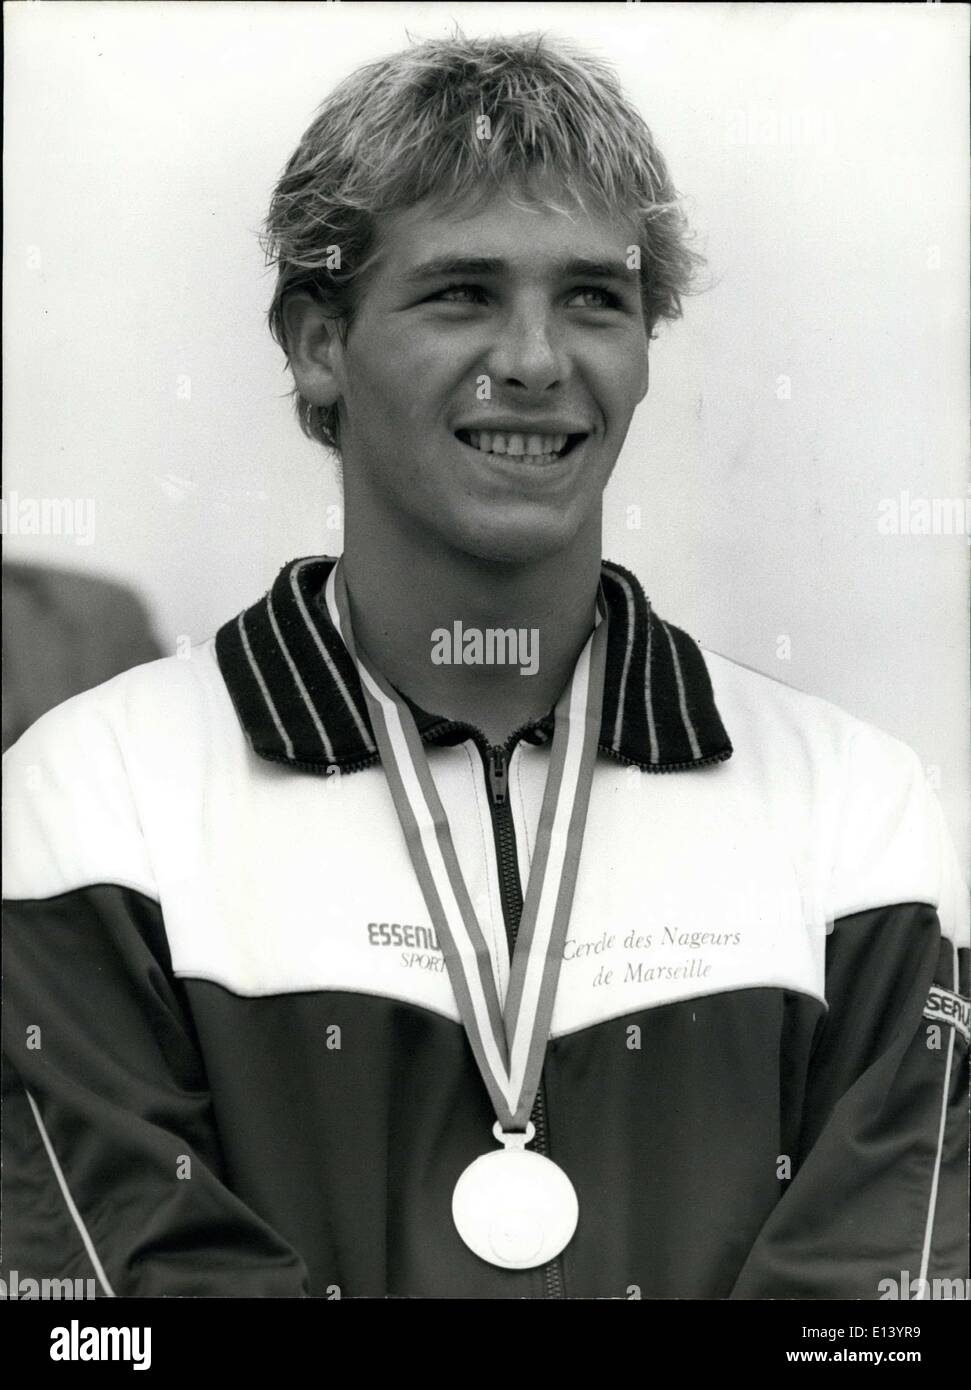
[409, 128]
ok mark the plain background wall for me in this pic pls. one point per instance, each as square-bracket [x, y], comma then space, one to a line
[823, 151]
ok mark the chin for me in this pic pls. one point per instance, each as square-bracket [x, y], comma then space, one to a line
[521, 540]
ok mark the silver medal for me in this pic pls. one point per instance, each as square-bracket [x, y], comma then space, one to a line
[513, 1207]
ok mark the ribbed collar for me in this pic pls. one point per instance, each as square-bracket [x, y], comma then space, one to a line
[299, 699]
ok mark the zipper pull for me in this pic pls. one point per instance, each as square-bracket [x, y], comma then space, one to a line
[498, 781]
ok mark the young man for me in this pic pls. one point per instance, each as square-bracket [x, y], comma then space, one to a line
[367, 951]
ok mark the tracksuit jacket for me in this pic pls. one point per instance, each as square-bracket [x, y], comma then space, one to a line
[235, 1065]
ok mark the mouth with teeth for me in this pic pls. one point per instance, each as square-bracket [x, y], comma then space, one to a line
[536, 448]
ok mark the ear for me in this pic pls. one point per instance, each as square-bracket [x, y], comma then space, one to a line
[314, 348]
[645, 380]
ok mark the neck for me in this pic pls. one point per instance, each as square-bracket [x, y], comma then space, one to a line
[424, 615]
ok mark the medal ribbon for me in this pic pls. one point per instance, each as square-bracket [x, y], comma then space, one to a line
[509, 1043]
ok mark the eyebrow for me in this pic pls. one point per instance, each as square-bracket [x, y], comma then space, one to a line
[569, 268]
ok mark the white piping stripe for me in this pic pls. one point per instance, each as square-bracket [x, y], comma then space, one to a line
[648, 700]
[263, 686]
[297, 680]
[338, 679]
[682, 703]
[65, 1193]
[932, 1204]
[622, 695]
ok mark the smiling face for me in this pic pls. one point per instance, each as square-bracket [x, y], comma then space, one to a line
[488, 378]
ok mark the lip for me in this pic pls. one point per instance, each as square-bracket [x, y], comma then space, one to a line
[506, 425]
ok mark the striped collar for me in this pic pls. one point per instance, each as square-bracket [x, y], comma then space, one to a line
[299, 699]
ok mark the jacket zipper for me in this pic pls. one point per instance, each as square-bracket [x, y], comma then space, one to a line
[511, 896]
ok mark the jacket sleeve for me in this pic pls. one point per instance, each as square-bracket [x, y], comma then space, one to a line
[112, 1168]
[875, 1205]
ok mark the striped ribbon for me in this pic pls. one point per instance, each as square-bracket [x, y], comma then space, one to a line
[509, 1043]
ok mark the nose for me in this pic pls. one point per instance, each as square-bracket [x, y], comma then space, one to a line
[528, 355]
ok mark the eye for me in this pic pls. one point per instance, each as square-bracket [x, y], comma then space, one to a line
[459, 294]
[603, 299]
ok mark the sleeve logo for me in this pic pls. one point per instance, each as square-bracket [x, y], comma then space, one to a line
[943, 1006]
